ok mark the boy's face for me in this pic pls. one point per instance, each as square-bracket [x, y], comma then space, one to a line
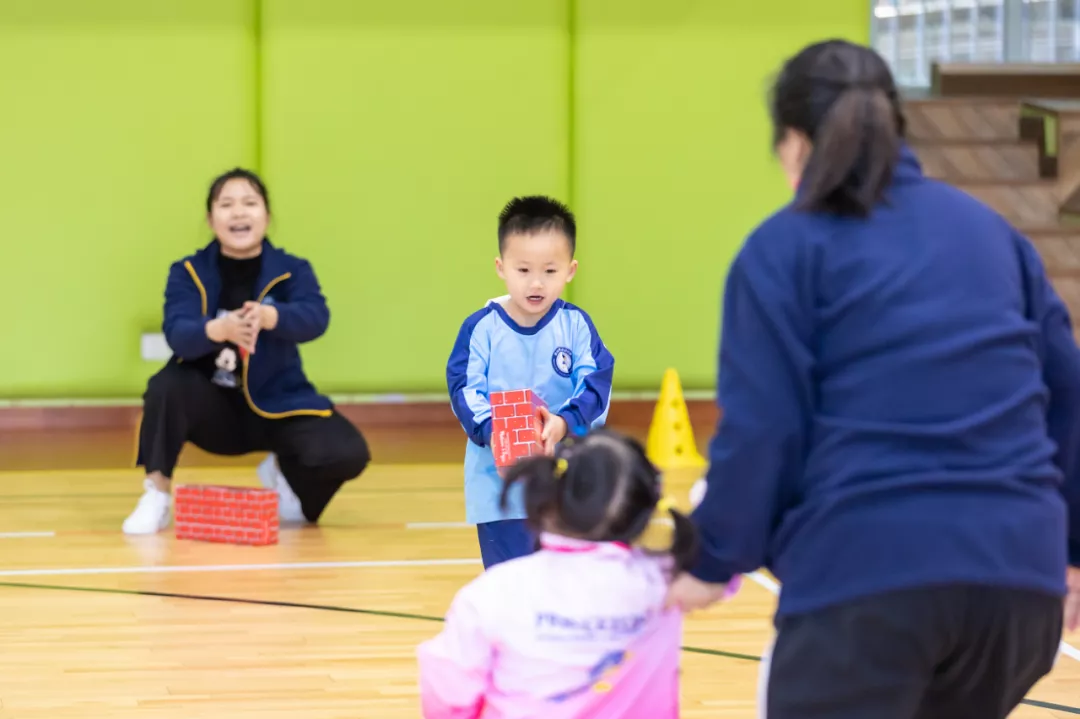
[535, 268]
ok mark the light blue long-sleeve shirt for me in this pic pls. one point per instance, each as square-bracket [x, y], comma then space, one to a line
[562, 359]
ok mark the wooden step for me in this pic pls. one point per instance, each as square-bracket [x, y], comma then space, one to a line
[958, 160]
[1051, 232]
[1060, 250]
[962, 119]
[1038, 79]
[1032, 204]
[1070, 207]
[1068, 289]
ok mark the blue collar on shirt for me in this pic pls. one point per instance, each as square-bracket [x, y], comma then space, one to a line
[908, 168]
[548, 316]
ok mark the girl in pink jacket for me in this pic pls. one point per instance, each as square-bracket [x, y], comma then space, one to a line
[577, 630]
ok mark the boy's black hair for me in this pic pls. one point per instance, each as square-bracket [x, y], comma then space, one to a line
[537, 213]
[843, 97]
[236, 174]
[601, 488]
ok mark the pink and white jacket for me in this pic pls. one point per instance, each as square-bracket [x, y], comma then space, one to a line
[575, 631]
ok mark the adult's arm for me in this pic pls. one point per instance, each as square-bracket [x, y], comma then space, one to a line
[304, 316]
[185, 323]
[1061, 374]
[764, 391]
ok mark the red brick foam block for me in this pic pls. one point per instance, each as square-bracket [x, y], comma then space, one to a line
[230, 515]
[515, 421]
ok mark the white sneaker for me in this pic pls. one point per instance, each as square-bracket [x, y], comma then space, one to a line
[152, 513]
[270, 476]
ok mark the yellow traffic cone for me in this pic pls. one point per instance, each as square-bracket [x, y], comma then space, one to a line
[671, 442]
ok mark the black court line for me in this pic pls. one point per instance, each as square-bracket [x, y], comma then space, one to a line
[395, 615]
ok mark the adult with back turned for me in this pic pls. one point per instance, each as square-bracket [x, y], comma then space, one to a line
[900, 440]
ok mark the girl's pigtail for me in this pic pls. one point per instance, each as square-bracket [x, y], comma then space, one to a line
[539, 477]
[684, 544]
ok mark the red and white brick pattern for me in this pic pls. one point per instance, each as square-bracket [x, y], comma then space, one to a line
[515, 421]
[231, 515]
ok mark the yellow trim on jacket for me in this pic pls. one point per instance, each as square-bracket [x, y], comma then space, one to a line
[247, 392]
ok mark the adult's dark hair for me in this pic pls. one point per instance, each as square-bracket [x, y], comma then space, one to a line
[600, 488]
[843, 98]
[536, 213]
[236, 174]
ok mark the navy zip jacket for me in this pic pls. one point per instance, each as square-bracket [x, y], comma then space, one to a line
[901, 405]
[274, 383]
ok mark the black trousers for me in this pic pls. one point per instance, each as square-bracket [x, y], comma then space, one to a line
[317, 455]
[951, 652]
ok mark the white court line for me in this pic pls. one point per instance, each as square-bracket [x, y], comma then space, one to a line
[767, 582]
[1070, 651]
[69, 571]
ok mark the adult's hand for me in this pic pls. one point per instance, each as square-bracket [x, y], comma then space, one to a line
[265, 317]
[688, 593]
[237, 327]
[1072, 599]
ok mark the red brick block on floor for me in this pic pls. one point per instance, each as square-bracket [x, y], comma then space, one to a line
[515, 422]
[230, 515]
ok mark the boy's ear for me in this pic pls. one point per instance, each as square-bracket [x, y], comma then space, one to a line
[499, 268]
[573, 270]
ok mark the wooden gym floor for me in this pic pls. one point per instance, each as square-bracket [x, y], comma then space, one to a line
[96, 624]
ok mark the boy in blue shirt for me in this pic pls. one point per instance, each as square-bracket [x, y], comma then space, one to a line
[527, 339]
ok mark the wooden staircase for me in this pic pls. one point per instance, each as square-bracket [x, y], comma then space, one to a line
[1019, 155]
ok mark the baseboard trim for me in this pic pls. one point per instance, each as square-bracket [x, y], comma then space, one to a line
[627, 411]
[363, 398]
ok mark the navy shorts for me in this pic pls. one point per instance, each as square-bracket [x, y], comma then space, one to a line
[504, 540]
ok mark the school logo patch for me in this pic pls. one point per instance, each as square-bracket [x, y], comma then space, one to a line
[562, 361]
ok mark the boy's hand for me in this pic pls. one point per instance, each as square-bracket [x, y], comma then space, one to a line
[553, 430]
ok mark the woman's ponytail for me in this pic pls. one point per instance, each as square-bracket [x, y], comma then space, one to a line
[855, 152]
[842, 97]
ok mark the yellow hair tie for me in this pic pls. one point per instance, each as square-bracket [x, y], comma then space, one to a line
[560, 467]
[666, 504]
